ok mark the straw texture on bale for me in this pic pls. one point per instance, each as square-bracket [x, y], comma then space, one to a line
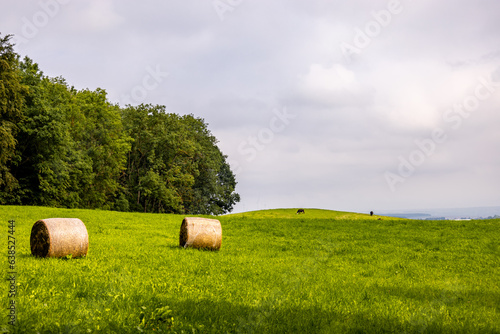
[200, 233]
[59, 237]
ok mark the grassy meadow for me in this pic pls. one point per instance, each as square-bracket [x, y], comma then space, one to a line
[276, 272]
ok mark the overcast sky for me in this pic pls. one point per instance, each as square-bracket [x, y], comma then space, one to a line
[353, 106]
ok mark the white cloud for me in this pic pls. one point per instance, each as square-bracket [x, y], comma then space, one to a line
[100, 15]
[326, 84]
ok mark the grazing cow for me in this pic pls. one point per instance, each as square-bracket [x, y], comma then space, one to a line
[300, 211]
[371, 213]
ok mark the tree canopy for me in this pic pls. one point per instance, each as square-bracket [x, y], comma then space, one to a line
[64, 147]
[11, 105]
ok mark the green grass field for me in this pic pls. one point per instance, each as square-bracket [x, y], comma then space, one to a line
[276, 272]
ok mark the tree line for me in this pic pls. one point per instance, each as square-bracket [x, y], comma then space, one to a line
[64, 147]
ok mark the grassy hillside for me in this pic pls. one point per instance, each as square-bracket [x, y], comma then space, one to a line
[320, 272]
[309, 214]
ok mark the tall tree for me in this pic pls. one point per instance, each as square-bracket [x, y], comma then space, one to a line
[96, 126]
[72, 147]
[158, 172]
[213, 190]
[175, 164]
[11, 104]
[45, 146]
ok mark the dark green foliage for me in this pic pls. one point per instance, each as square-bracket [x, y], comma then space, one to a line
[11, 104]
[45, 150]
[71, 148]
[174, 164]
[213, 190]
[68, 148]
[100, 137]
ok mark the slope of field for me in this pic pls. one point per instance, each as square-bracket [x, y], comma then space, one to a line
[309, 214]
[318, 272]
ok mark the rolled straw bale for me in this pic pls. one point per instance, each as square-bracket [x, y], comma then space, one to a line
[200, 233]
[58, 237]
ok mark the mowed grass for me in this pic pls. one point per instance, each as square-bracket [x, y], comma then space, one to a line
[276, 272]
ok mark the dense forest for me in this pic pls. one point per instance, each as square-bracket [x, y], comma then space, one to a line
[64, 147]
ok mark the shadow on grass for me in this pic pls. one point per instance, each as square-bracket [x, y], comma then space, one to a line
[177, 247]
[216, 317]
[24, 255]
[273, 316]
[40, 258]
[449, 296]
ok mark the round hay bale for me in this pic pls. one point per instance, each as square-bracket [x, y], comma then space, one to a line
[58, 237]
[200, 233]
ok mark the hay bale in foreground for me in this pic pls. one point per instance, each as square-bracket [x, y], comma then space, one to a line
[200, 233]
[58, 237]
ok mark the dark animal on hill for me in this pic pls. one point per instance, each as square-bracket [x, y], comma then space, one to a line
[371, 213]
[300, 211]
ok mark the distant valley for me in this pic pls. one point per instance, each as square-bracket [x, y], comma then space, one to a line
[446, 213]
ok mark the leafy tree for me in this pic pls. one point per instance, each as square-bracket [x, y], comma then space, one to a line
[213, 191]
[96, 127]
[44, 151]
[225, 197]
[11, 104]
[68, 148]
[174, 164]
[72, 147]
[157, 173]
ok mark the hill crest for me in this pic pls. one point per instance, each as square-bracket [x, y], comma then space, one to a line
[308, 213]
